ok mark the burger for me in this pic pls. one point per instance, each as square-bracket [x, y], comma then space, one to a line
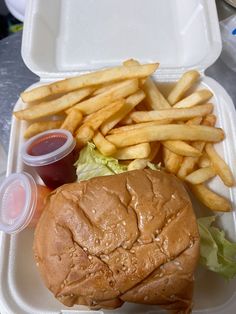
[131, 237]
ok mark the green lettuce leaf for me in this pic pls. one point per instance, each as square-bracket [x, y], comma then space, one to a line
[216, 252]
[91, 164]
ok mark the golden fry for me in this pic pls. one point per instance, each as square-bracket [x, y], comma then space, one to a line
[210, 199]
[167, 132]
[194, 121]
[132, 62]
[200, 175]
[96, 103]
[91, 79]
[187, 166]
[72, 121]
[155, 99]
[173, 113]
[189, 163]
[129, 105]
[172, 161]
[143, 162]
[220, 166]
[194, 99]
[96, 119]
[181, 148]
[137, 164]
[137, 151]
[38, 127]
[187, 80]
[209, 120]
[104, 146]
[126, 121]
[84, 134]
[138, 126]
[204, 161]
[105, 88]
[54, 106]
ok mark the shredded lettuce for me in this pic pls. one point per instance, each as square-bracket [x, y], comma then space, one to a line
[216, 252]
[91, 164]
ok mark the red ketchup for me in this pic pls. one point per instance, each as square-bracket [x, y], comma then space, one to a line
[21, 202]
[51, 154]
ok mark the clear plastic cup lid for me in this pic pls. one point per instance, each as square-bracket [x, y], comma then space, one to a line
[57, 152]
[18, 195]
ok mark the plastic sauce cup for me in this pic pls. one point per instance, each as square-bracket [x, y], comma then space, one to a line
[51, 154]
[21, 202]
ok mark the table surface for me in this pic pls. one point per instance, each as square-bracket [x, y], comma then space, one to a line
[15, 77]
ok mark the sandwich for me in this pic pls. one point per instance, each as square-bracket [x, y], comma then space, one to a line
[130, 237]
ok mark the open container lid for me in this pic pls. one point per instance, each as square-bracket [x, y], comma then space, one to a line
[62, 38]
[18, 196]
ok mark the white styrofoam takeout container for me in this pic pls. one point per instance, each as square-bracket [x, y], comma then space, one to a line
[63, 38]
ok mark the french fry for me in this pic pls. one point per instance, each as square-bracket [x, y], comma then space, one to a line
[194, 99]
[143, 162]
[200, 175]
[137, 164]
[72, 121]
[155, 99]
[138, 126]
[38, 127]
[95, 103]
[129, 105]
[187, 80]
[137, 151]
[133, 62]
[172, 161]
[167, 132]
[194, 121]
[209, 120]
[54, 106]
[181, 148]
[126, 121]
[220, 166]
[105, 88]
[84, 134]
[210, 199]
[91, 79]
[104, 146]
[130, 63]
[204, 161]
[173, 113]
[189, 163]
[96, 119]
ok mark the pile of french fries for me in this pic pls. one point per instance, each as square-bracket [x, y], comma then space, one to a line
[124, 113]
